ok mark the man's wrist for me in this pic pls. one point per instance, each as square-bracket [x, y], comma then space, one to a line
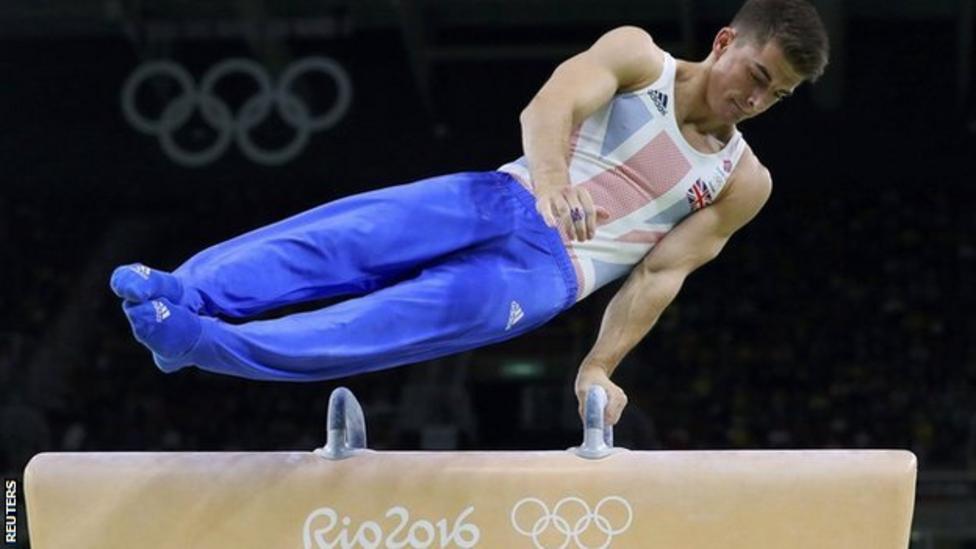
[550, 178]
[549, 184]
[598, 368]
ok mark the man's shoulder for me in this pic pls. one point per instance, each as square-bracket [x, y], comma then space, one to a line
[639, 40]
[750, 172]
[747, 190]
[632, 54]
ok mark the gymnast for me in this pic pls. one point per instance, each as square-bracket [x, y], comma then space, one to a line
[633, 166]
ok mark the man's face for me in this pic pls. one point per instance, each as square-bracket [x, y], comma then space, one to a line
[747, 79]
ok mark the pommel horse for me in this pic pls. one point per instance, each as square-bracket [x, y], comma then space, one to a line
[344, 495]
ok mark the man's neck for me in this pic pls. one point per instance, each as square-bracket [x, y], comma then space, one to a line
[691, 82]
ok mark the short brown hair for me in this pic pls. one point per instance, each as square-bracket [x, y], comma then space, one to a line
[794, 25]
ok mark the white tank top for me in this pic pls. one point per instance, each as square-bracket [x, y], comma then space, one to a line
[632, 158]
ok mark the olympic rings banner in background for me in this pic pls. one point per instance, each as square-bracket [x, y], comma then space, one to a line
[228, 125]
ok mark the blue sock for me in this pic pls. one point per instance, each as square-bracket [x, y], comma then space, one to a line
[138, 283]
[169, 331]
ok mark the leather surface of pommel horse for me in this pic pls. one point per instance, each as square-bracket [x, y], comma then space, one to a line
[594, 496]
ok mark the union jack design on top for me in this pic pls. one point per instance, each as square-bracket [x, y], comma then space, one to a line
[632, 158]
[699, 195]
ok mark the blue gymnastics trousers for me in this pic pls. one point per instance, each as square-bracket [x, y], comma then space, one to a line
[435, 267]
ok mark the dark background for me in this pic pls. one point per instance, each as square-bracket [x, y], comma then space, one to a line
[840, 318]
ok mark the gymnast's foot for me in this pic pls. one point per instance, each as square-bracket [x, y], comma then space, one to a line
[138, 283]
[169, 331]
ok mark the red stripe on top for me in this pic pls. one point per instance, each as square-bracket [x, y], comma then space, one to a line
[649, 173]
[642, 237]
[657, 167]
[578, 267]
[574, 140]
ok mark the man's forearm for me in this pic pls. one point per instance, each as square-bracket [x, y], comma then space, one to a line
[631, 314]
[546, 128]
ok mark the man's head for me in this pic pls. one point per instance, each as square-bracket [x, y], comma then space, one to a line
[769, 48]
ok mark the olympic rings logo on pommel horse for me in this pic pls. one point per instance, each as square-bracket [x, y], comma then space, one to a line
[561, 525]
[218, 115]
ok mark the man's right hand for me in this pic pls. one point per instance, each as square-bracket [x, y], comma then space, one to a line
[570, 209]
[589, 376]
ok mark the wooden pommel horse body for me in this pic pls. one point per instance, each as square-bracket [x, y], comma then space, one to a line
[593, 496]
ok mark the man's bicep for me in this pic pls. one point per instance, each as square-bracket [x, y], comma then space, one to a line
[694, 242]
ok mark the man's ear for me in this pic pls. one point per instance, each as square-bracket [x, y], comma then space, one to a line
[723, 40]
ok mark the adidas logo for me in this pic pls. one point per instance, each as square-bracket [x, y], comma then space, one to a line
[162, 311]
[141, 270]
[514, 315]
[660, 100]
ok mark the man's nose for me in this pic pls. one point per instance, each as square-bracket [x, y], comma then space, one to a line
[757, 100]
